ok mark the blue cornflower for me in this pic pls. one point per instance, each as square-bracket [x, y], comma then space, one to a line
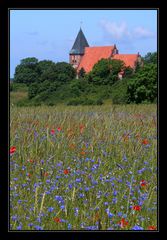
[42, 161]
[137, 228]
[141, 170]
[78, 180]
[58, 198]
[62, 207]
[110, 215]
[124, 158]
[91, 228]
[70, 186]
[15, 179]
[48, 192]
[115, 193]
[50, 209]
[30, 224]
[94, 182]
[38, 227]
[81, 195]
[14, 218]
[69, 227]
[19, 227]
[76, 210]
[105, 203]
[109, 228]
[87, 189]
[38, 219]
[24, 185]
[114, 200]
[119, 214]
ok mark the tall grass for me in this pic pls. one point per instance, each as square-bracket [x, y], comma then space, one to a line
[83, 168]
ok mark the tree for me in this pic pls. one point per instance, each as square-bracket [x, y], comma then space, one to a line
[26, 71]
[81, 73]
[45, 65]
[150, 58]
[105, 71]
[60, 72]
[64, 71]
[142, 86]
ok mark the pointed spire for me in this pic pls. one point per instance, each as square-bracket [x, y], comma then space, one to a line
[79, 44]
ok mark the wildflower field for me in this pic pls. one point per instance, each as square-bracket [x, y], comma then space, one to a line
[83, 168]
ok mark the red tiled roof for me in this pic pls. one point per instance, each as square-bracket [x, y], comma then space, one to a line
[93, 55]
[129, 59]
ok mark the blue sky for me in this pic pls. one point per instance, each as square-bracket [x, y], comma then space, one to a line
[50, 34]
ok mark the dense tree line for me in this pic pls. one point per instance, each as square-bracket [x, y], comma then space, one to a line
[50, 82]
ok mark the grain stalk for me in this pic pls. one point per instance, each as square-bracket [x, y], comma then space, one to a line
[42, 203]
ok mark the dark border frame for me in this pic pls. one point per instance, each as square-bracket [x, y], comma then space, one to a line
[5, 106]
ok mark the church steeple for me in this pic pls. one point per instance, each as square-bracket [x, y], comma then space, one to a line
[79, 44]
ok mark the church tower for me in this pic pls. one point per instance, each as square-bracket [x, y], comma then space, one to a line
[77, 50]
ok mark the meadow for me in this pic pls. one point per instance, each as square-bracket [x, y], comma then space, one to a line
[83, 168]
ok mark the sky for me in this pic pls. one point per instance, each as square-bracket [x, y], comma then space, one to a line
[50, 34]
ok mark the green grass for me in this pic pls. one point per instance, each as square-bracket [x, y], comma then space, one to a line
[103, 149]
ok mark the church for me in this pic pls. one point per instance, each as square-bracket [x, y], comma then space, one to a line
[84, 56]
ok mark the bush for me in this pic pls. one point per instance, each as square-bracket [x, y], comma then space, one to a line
[84, 101]
[14, 87]
[119, 92]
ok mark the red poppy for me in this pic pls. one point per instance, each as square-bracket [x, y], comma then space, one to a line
[12, 150]
[72, 146]
[46, 174]
[81, 128]
[136, 208]
[143, 183]
[145, 141]
[29, 174]
[30, 160]
[151, 228]
[52, 131]
[57, 220]
[82, 153]
[66, 171]
[59, 129]
[123, 223]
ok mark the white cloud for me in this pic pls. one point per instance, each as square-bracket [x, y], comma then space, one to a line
[115, 30]
[141, 32]
[121, 31]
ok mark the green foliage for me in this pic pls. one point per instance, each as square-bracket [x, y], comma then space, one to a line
[150, 58]
[85, 101]
[26, 71]
[52, 83]
[81, 73]
[45, 65]
[14, 87]
[143, 85]
[105, 72]
[64, 71]
[119, 92]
